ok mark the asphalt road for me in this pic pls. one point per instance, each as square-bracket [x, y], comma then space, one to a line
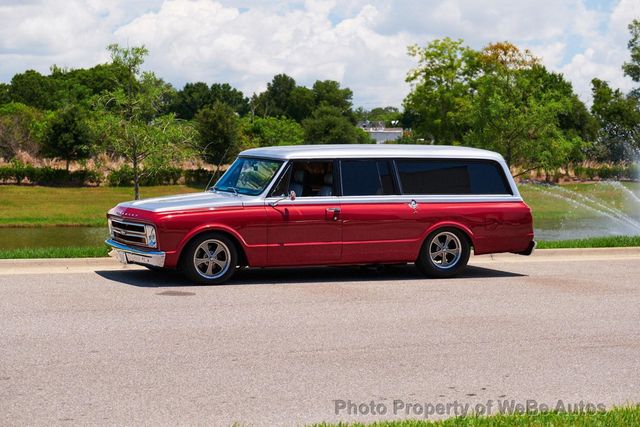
[93, 343]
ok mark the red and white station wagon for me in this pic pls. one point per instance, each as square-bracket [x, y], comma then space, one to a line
[330, 205]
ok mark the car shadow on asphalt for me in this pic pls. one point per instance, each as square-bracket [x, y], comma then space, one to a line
[279, 276]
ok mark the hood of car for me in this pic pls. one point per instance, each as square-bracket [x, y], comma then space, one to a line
[182, 202]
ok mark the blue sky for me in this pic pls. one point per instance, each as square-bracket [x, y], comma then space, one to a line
[361, 43]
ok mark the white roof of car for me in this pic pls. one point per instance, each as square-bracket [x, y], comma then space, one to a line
[369, 151]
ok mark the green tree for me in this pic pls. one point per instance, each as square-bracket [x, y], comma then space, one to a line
[268, 131]
[189, 100]
[328, 93]
[131, 121]
[68, 136]
[22, 128]
[441, 90]
[619, 118]
[34, 89]
[225, 93]
[301, 103]
[219, 133]
[632, 68]
[79, 86]
[275, 100]
[516, 109]
[328, 125]
[5, 96]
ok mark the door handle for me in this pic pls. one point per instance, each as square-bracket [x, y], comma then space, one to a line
[335, 212]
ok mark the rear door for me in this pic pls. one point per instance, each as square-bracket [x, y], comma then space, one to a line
[378, 225]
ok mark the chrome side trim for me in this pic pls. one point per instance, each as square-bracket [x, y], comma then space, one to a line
[405, 198]
[155, 258]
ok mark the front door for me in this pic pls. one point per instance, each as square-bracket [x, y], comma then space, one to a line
[305, 230]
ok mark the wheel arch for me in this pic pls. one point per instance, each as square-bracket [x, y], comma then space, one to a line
[466, 231]
[224, 231]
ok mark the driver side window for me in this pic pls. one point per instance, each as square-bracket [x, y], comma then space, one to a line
[307, 178]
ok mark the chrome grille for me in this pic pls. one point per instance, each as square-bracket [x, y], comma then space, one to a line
[128, 232]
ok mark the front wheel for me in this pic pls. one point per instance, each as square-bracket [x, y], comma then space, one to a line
[210, 259]
[445, 253]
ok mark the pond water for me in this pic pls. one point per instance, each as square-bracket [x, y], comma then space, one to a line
[561, 212]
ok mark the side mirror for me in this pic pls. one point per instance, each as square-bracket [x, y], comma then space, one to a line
[291, 196]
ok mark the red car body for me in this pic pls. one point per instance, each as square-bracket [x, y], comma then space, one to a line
[270, 231]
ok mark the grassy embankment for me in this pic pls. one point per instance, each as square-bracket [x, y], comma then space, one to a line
[25, 206]
[629, 416]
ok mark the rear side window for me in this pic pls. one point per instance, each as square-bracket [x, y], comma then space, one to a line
[452, 177]
[366, 178]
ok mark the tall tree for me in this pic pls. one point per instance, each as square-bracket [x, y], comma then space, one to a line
[619, 118]
[5, 96]
[632, 68]
[189, 100]
[68, 136]
[516, 109]
[329, 93]
[34, 89]
[328, 125]
[225, 93]
[301, 103]
[440, 90]
[218, 128]
[131, 119]
[268, 131]
[22, 128]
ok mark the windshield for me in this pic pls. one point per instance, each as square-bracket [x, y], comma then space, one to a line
[248, 176]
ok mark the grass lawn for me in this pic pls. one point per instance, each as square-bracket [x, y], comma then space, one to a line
[552, 207]
[622, 417]
[592, 242]
[27, 206]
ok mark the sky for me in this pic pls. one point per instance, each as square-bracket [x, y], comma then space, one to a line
[360, 43]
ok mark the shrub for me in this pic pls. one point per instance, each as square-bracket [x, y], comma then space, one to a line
[48, 176]
[197, 177]
[122, 177]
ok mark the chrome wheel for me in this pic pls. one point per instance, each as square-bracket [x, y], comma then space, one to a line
[445, 250]
[212, 259]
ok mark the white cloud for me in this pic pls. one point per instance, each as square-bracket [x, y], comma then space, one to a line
[605, 52]
[361, 43]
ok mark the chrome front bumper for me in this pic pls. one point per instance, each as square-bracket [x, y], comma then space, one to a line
[129, 255]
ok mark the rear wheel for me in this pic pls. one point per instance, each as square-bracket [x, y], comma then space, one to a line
[210, 259]
[445, 253]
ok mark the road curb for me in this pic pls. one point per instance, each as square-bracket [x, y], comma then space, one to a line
[17, 266]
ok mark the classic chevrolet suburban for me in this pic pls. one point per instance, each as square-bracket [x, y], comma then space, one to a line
[329, 205]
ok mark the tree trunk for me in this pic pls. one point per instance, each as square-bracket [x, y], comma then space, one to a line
[136, 179]
[67, 165]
